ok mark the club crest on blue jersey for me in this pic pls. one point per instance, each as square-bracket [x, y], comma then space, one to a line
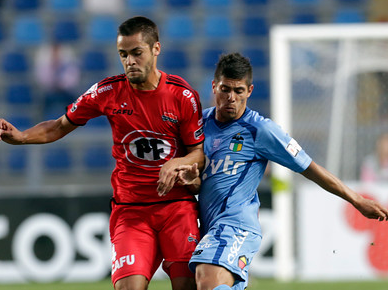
[242, 262]
[237, 143]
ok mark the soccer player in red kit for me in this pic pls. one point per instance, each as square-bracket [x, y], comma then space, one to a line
[156, 122]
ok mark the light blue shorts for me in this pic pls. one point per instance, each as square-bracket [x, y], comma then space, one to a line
[229, 247]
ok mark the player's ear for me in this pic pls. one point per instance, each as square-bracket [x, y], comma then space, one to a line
[214, 86]
[250, 89]
[156, 48]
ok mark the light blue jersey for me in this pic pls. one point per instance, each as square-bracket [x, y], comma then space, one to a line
[237, 154]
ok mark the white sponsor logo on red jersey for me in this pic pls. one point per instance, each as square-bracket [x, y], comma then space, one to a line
[187, 93]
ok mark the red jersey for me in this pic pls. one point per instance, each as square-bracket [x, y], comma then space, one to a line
[148, 127]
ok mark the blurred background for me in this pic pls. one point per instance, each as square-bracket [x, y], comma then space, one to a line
[55, 197]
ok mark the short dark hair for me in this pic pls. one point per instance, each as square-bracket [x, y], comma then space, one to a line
[234, 66]
[141, 24]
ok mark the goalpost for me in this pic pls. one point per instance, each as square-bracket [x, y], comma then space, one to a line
[327, 92]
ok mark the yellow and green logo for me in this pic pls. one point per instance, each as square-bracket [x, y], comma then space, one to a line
[237, 143]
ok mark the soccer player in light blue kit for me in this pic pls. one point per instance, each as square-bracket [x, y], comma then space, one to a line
[238, 145]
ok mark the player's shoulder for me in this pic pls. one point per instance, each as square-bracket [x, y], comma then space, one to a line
[178, 81]
[179, 84]
[254, 118]
[262, 126]
[206, 113]
[106, 86]
[110, 83]
[256, 123]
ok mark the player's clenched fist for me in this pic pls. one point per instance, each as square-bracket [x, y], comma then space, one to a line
[8, 133]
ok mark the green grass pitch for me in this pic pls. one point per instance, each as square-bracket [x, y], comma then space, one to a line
[256, 284]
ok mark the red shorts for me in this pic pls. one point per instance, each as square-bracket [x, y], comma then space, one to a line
[142, 236]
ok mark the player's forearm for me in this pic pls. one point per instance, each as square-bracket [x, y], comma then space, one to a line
[337, 187]
[369, 208]
[331, 183]
[196, 155]
[44, 132]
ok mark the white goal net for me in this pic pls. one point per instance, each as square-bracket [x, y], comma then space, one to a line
[329, 90]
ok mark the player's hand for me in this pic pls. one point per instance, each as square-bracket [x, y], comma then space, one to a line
[187, 174]
[167, 176]
[9, 133]
[372, 209]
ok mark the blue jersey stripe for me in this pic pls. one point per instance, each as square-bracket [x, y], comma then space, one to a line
[221, 246]
[239, 181]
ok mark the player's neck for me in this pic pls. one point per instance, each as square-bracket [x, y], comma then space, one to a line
[151, 83]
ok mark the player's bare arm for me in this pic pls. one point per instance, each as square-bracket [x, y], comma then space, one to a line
[369, 208]
[44, 132]
[168, 174]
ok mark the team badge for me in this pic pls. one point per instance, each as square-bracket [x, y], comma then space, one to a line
[242, 262]
[237, 143]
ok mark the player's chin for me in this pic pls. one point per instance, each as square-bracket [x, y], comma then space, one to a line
[135, 79]
[230, 114]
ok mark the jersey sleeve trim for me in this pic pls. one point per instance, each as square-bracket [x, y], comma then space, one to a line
[73, 123]
[305, 165]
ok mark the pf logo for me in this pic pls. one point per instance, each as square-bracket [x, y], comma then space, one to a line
[377, 248]
[149, 149]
